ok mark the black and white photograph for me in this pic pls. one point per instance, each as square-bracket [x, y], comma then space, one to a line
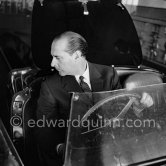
[82, 82]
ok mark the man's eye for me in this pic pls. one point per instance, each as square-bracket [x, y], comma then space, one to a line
[57, 58]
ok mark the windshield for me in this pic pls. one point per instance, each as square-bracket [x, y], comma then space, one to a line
[114, 127]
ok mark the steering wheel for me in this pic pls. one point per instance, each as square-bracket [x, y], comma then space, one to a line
[132, 97]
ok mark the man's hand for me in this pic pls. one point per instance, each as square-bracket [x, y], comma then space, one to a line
[146, 100]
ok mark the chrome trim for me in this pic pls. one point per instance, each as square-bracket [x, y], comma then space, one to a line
[17, 74]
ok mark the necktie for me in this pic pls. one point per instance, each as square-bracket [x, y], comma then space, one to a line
[85, 87]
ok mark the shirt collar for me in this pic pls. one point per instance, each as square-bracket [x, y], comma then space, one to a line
[85, 75]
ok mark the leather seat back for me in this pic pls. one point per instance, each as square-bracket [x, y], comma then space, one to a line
[142, 79]
[138, 77]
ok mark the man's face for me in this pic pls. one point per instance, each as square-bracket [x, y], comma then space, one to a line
[62, 61]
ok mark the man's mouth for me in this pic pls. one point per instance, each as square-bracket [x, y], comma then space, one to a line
[57, 69]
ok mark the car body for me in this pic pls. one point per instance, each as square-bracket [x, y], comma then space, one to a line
[26, 83]
[113, 41]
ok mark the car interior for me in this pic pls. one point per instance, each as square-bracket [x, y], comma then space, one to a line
[25, 65]
[24, 102]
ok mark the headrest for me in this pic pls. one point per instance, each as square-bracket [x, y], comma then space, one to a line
[142, 79]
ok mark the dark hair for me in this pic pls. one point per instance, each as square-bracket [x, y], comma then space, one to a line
[75, 42]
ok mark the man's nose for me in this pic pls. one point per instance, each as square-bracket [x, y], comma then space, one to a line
[53, 63]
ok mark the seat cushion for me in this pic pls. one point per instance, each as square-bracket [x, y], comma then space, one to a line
[142, 79]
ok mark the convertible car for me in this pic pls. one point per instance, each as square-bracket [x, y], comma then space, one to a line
[118, 135]
[103, 145]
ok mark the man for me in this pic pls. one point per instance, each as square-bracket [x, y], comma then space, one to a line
[75, 75]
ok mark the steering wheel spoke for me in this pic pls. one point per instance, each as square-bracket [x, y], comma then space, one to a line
[131, 96]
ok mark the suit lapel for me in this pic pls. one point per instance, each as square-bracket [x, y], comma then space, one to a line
[95, 78]
[70, 84]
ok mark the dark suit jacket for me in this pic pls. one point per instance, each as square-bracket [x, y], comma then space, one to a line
[54, 101]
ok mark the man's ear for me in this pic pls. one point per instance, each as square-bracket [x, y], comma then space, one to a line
[77, 54]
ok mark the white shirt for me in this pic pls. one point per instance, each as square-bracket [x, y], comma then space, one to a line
[86, 76]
